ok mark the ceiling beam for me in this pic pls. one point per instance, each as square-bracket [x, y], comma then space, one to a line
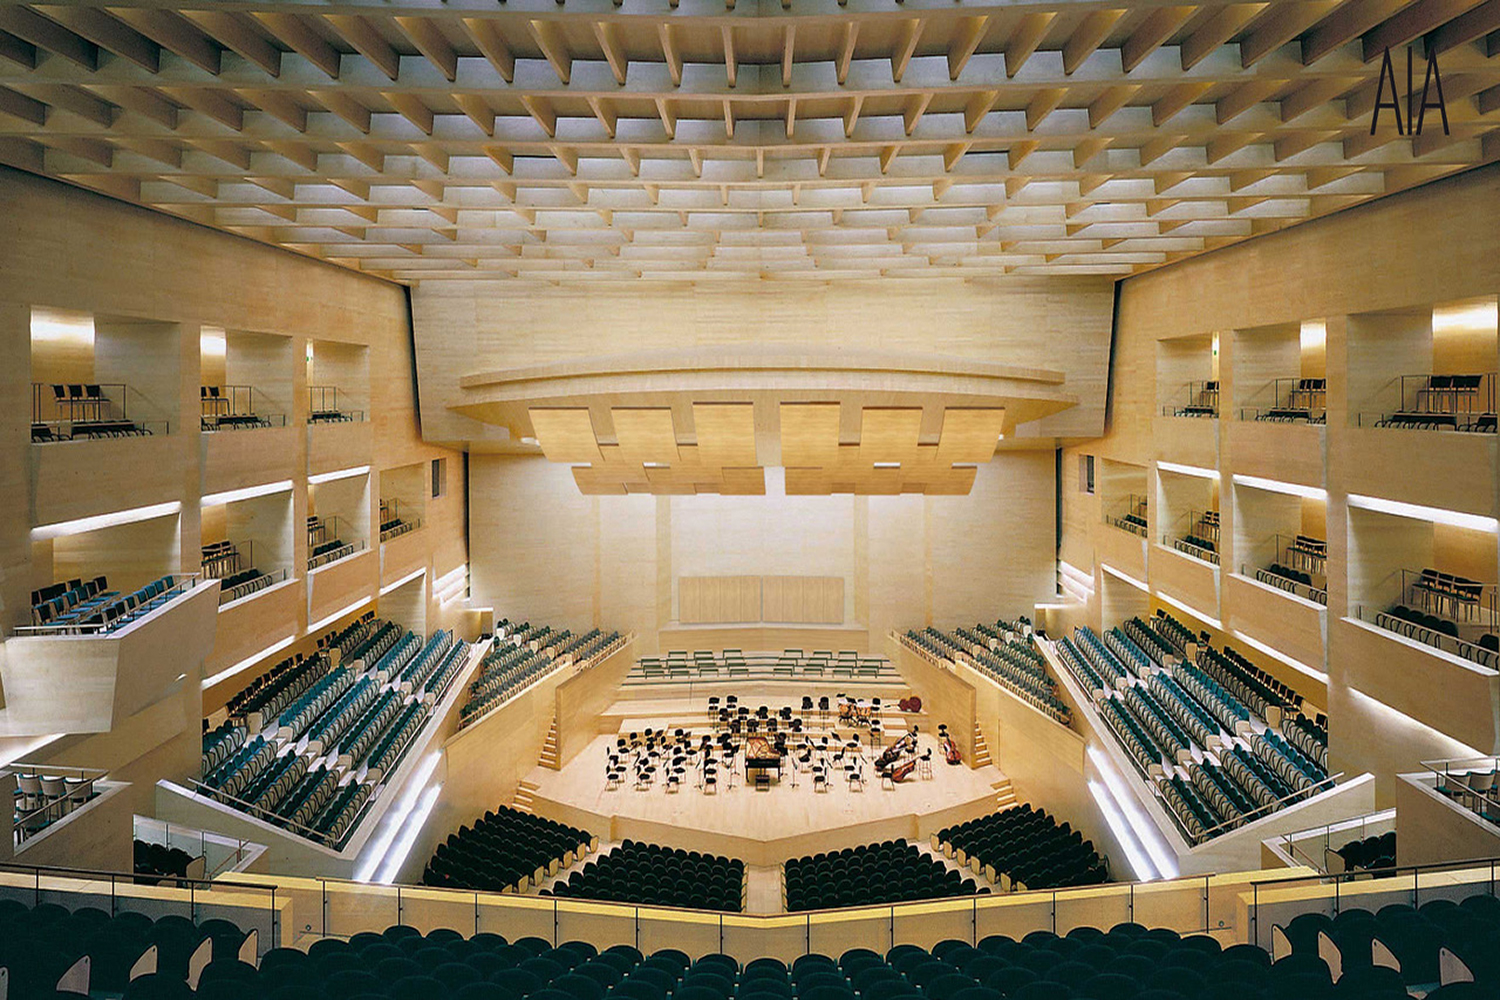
[431, 43]
[45, 33]
[487, 38]
[1087, 37]
[109, 33]
[294, 32]
[241, 34]
[365, 40]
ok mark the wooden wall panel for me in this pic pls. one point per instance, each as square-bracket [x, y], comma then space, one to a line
[813, 600]
[534, 540]
[713, 600]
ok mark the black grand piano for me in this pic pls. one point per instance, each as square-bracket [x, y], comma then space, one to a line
[763, 756]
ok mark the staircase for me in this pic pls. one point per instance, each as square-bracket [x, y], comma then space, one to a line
[548, 759]
[981, 750]
[522, 800]
[1005, 795]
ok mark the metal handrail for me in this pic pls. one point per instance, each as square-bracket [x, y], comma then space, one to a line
[259, 812]
[1261, 812]
[182, 583]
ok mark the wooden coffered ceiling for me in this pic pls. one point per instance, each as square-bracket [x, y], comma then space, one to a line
[889, 457]
[696, 139]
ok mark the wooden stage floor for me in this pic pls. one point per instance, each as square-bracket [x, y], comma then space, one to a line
[760, 826]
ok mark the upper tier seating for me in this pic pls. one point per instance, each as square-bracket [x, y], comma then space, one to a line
[658, 876]
[1202, 401]
[1012, 663]
[1306, 402]
[506, 849]
[1449, 607]
[307, 745]
[1189, 727]
[891, 872]
[92, 606]
[1024, 848]
[1446, 402]
[82, 411]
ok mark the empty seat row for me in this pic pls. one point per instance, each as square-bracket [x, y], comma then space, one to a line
[504, 849]
[1024, 848]
[39, 945]
[652, 875]
[890, 872]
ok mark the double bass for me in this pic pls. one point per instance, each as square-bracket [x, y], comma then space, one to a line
[893, 753]
[950, 750]
[903, 769]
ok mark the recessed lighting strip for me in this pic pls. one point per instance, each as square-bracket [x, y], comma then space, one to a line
[328, 477]
[1277, 486]
[1435, 515]
[60, 528]
[248, 493]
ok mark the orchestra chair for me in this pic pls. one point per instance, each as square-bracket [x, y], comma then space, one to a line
[924, 764]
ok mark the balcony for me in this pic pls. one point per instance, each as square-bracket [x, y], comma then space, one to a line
[1283, 451]
[402, 554]
[1416, 466]
[1281, 619]
[1186, 440]
[1185, 578]
[86, 679]
[249, 625]
[1123, 550]
[240, 459]
[336, 586]
[141, 472]
[1440, 689]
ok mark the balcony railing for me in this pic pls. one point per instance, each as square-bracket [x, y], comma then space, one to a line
[1463, 403]
[1469, 781]
[392, 523]
[1298, 567]
[85, 411]
[232, 408]
[326, 407]
[46, 793]
[1132, 517]
[328, 540]
[1201, 400]
[1445, 611]
[1296, 400]
[114, 610]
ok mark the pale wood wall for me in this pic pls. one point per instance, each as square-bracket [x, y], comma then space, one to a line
[542, 551]
[1372, 274]
[464, 328]
[153, 283]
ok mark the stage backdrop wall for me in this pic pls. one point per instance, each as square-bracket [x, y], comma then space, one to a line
[540, 550]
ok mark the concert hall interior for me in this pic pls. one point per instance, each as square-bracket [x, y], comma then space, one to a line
[750, 500]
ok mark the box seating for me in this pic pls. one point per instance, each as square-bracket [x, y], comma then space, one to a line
[92, 605]
[1369, 853]
[891, 872]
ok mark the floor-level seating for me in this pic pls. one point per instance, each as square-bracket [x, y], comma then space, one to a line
[891, 872]
[38, 945]
[1024, 848]
[652, 875]
[505, 849]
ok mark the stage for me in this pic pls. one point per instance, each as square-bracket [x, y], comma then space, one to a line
[762, 827]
